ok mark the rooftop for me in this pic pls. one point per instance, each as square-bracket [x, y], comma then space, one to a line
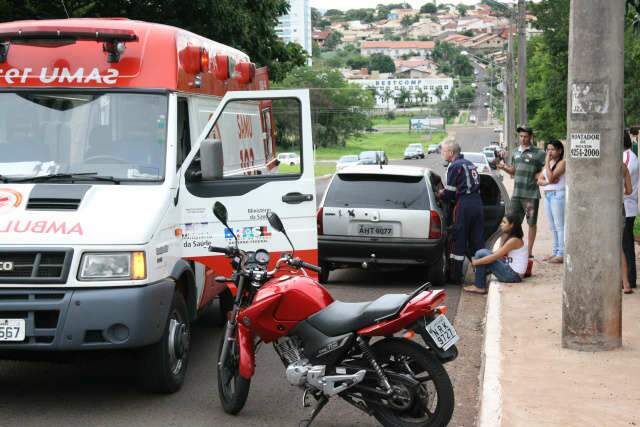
[398, 45]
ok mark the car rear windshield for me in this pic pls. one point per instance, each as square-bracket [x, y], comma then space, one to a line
[475, 158]
[378, 191]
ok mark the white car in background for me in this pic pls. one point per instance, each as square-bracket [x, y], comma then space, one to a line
[290, 159]
[479, 160]
[349, 160]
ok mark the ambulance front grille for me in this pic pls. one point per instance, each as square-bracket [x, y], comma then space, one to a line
[34, 266]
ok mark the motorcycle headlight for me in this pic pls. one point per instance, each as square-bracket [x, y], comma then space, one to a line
[113, 266]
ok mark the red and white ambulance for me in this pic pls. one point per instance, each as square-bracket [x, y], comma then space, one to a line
[116, 139]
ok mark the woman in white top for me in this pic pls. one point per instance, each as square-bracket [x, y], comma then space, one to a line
[508, 264]
[552, 180]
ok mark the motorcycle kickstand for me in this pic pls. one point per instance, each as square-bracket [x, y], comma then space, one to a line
[321, 403]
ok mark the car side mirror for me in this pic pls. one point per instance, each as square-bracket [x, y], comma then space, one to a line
[220, 212]
[275, 221]
[211, 159]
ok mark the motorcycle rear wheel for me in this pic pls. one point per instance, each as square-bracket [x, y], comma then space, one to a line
[431, 405]
[233, 389]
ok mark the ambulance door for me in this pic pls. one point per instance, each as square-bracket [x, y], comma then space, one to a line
[251, 181]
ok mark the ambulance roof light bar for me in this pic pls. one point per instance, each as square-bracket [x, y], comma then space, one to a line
[113, 39]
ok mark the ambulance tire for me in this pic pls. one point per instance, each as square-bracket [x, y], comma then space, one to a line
[437, 272]
[164, 364]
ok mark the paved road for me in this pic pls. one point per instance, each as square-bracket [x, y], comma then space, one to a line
[103, 393]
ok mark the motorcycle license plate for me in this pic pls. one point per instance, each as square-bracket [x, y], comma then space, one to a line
[12, 329]
[442, 332]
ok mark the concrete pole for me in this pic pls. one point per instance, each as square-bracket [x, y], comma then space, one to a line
[510, 112]
[522, 61]
[591, 305]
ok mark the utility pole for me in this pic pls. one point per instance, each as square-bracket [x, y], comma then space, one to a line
[522, 61]
[591, 304]
[510, 103]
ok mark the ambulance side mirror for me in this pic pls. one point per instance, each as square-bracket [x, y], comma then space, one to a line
[211, 160]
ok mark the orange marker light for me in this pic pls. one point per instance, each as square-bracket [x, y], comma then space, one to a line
[178, 232]
[442, 309]
[138, 266]
[409, 334]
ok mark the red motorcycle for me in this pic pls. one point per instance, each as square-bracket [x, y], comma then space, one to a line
[328, 347]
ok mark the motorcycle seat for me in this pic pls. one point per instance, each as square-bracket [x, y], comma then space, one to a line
[339, 318]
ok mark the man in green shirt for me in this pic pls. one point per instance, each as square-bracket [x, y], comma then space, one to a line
[527, 163]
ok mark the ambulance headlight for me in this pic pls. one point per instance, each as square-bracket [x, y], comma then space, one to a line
[113, 266]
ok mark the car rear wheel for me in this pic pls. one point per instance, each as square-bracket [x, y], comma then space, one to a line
[437, 273]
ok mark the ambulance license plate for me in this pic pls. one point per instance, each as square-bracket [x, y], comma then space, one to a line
[12, 329]
[442, 332]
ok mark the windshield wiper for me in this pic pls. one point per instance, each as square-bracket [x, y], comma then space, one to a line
[84, 176]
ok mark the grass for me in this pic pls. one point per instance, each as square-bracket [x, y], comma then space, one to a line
[397, 120]
[393, 143]
[464, 117]
[636, 227]
[320, 169]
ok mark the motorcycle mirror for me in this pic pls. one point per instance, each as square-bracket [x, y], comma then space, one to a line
[220, 212]
[275, 221]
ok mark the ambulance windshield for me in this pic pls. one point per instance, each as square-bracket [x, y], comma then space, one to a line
[121, 135]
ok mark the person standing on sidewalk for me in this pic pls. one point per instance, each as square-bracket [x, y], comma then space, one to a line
[528, 162]
[463, 187]
[630, 209]
[552, 180]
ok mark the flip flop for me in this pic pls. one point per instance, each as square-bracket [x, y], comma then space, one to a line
[474, 290]
[626, 291]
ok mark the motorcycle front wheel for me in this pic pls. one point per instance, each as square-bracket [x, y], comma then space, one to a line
[233, 389]
[431, 403]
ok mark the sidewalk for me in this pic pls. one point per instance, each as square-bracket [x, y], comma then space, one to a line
[530, 380]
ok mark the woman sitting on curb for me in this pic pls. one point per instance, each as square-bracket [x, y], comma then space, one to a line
[508, 264]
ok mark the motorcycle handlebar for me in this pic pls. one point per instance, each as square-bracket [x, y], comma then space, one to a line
[311, 267]
[229, 251]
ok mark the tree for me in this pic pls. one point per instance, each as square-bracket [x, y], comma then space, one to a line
[462, 9]
[358, 62]
[467, 33]
[382, 63]
[387, 95]
[333, 40]
[429, 8]
[316, 17]
[408, 20]
[403, 96]
[256, 19]
[337, 107]
[334, 13]
[447, 108]
[465, 95]
[439, 92]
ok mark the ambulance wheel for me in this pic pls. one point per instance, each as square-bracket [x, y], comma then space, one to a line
[165, 362]
[437, 273]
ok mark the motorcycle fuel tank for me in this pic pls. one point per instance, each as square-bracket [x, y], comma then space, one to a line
[282, 303]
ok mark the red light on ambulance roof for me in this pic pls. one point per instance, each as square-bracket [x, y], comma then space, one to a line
[204, 60]
[190, 58]
[223, 67]
[245, 72]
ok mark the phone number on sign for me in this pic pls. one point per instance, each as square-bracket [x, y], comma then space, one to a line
[585, 152]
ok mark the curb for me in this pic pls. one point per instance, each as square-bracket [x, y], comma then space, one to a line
[490, 389]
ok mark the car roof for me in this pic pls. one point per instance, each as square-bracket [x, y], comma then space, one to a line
[465, 153]
[385, 170]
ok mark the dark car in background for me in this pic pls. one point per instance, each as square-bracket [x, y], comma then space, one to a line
[373, 158]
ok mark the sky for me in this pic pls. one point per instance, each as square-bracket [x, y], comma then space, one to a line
[357, 4]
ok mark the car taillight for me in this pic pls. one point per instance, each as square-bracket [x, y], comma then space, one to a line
[319, 221]
[435, 226]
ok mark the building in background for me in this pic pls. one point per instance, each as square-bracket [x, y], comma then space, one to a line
[397, 49]
[296, 26]
[416, 88]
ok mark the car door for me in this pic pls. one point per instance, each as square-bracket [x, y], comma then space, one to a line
[250, 129]
[495, 201]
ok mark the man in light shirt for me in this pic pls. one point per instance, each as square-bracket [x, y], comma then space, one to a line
[630, 209]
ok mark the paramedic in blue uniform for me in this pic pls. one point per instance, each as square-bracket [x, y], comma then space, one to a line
[463, 188]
